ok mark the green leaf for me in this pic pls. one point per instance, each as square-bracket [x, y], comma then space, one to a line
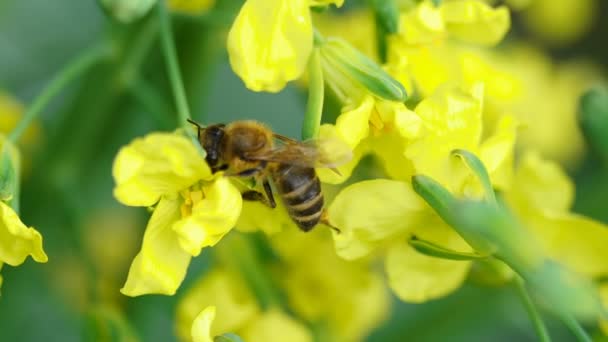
[434, 250]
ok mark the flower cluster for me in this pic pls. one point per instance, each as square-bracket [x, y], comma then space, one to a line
[443, 106]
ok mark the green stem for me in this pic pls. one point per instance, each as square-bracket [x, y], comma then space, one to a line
[316, 92]
[576, 328]
[175, 77]
[537, 321]
[71, 71]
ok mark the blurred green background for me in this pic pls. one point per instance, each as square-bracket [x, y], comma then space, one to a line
[67, 188]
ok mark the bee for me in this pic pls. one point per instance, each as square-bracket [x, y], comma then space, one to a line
[251, 149]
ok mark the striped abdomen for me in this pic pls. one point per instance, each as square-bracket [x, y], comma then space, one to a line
[300, 191]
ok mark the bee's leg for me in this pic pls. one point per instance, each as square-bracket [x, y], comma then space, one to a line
[253, 195]
[325, 220]
[248, 172]
[268, 200]
[269, 194]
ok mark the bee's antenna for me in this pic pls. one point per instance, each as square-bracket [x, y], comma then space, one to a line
[200, 128]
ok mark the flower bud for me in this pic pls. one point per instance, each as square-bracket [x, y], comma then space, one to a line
[593, 119]
[9, 171]
[127, 11]
[344, 65]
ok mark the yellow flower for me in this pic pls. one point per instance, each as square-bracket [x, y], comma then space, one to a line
[373, 126]
[384, 213]
[194, 209]
[349, 297]
[191, 6]
[276, 326]
[201, 328]
[416, 56]
[542, 195]
[467, 20]
[270, 42]
[452, 119]
[475, 22]
[17, 241]
[226, 291]
[560, 22]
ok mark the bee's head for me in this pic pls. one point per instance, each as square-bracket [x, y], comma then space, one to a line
[211, 139]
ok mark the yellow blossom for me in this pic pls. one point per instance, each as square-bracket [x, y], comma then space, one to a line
[17, 241]
[276, 326]
[475, 21]
[191, 6]
[542, 195]
[560, 22]
[415, 277]
[452, 119]
[416, 56]
[201, 328]
[349, 297]
[384, 213]
[373, 126]
[270, 42]
[467, 20]
[226, 291]
[195, 209]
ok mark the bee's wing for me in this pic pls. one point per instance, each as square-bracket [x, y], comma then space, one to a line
[327, 153]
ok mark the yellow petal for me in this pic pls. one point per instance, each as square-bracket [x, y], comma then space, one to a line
[270, 42]
[158, 164]
[422, 25]
[226, 291]
[161, 265]
[326, 175]
[353, 125]
[338, 3]
[540, 185]
[417, 278]
[257, 216]
[350, 296]
[573, 240]
[212, 217]
[369, 212]
[16, 240]
[496, 152]
[452, 120]
[191, 6]
[475, 21]
[201, 328]
[276, 326]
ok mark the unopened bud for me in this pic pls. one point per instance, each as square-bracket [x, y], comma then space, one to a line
[349, 63]
[127, 11]
[9, 170]
[593, 119]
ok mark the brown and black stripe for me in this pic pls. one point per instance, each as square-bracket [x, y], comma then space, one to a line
[300, 191]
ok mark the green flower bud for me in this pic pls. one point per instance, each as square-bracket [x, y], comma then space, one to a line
[9, 172]
[387, 15]
[344, 65]
[127, 11]
[593, 119]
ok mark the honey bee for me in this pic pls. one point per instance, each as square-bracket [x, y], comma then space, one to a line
[251, 149]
